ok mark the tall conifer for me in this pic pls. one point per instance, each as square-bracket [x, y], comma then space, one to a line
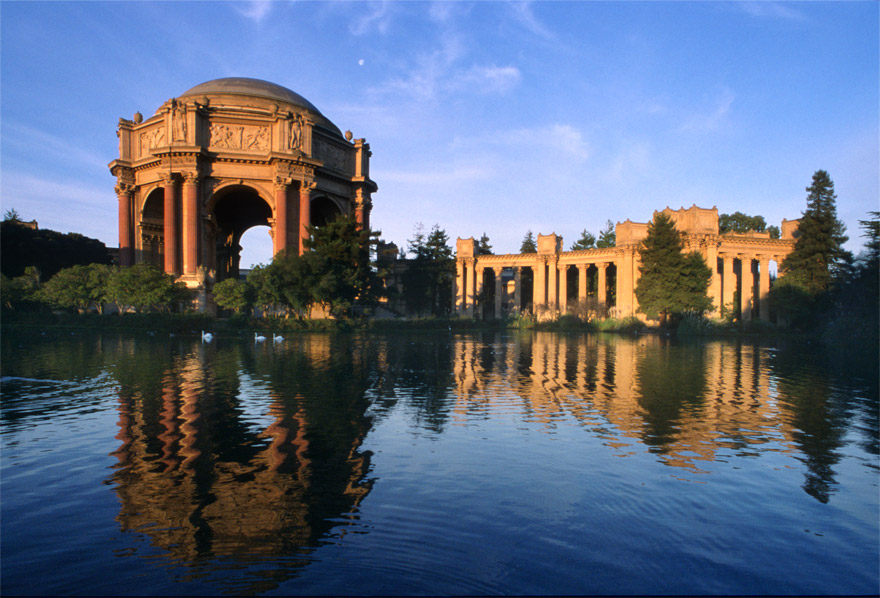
[670, 282]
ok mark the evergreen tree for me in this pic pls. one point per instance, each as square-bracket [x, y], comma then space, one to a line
[427, 282]
[483, 247]
[818, 253]
[607, 237]
[671, 283]
[529, 245]
[587, 241]
[743, 223]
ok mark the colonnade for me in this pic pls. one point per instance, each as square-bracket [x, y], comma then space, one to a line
[740, 265]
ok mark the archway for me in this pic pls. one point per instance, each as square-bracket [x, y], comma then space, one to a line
[323, 210]
[152, 231]
[236, 210]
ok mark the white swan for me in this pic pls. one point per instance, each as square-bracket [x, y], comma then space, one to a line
[277, 338]
[207, 337]
[258, 338]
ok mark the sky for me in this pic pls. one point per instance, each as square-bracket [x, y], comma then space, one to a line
[483, 117]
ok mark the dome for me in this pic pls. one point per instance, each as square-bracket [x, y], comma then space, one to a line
[244, 86]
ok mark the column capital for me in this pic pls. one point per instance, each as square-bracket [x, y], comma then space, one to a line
[124, 189]
[190, 177]
[307, 186]
[168, 179]
[282, 183]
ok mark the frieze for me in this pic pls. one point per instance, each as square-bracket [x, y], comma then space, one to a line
[240, 137]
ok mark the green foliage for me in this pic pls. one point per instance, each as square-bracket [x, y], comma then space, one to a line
[235, 295]
[265, 286]
[427, 281]
[11, 215]
[144, 287]
[587, 241]
[818, 253]
[607, 237]
[335, 271]
[741, 223]
[483, 247]
[774, 231]
[77, 287]
[671, 283]
[47, 250]
[21, 291]
[529, 245]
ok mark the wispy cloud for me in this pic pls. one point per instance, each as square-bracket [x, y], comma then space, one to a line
[711, 121]
[376, 18]
[486, 79]
[556, 142]
[26, 139]
[438, 176]
[255, 10]
[777, 10]
[522, 12]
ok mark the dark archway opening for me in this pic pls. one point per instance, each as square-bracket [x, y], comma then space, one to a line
[323, 210]
[152, 231]
[237, 210]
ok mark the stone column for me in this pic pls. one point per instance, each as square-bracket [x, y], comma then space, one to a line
[281, 220]
[539, 286]
[562, 300]
[478, 290]
[601, 286]
[715, 281]
[470, 275]
[764, 289]
[625, 283]
[170, 225]
[582, 282]
[305, 212]
[748, 287]
[552, 296]
[190, 223]
[499, 292]
[459, 286]
[126, 246]
[728, 282]
[517, 289]
[362, 206]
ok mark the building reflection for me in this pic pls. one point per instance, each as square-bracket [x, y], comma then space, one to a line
[224, 455]
[690, 404]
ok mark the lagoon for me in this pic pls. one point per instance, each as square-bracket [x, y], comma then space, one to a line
[516, 462]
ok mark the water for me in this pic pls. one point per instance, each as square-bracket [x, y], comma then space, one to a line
[445, 463]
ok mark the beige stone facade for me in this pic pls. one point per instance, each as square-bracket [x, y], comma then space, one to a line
[552, 282]
[223, 157]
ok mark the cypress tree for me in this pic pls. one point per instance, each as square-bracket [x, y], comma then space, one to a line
[670, 282]
[818, 251]
[528, 244]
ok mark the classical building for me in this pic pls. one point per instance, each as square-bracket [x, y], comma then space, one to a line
[225, 156]
[603, 281]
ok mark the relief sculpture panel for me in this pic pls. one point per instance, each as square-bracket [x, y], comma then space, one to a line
[152, 139]
[240, 137]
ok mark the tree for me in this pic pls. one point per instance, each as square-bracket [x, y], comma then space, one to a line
[743, 223]
[427, 281]
[234, 294]
[483, 247]
[144, 287]
[818, 253]
[47, 250]
[78, 287]
[587, 241]
[528, 244]
[11, 215]
[670, 283]
[607, 237]
[335, 271]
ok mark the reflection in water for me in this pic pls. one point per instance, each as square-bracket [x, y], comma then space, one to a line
[689, 403]
[214, 463]
[245, 466]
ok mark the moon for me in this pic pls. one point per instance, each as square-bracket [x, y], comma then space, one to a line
[361, 62]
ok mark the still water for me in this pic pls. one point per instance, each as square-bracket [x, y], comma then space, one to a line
[520, 463]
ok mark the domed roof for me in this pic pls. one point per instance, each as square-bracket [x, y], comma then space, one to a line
[245, 86]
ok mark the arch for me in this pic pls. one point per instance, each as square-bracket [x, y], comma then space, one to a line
[151, 236]
[323, 209]
[234, 209]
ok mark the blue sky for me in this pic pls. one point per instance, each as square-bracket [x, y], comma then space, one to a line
[495, 117]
